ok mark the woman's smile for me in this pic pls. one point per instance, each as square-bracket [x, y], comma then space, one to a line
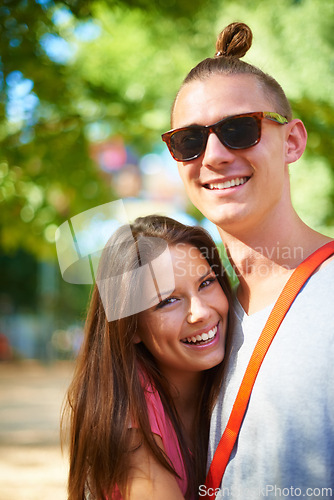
[202, 338]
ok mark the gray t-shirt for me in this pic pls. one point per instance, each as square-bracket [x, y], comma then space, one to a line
[285, 448]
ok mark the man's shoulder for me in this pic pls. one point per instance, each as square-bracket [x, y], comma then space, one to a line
[326, 263]
[325, 272]
[313, 305]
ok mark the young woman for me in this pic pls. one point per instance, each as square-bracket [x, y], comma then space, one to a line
[150, 366]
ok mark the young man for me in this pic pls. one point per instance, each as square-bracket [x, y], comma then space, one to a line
[237, 174]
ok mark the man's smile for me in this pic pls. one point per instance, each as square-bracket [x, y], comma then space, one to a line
[237, 181]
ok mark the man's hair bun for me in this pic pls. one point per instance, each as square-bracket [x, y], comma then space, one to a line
[234, 41]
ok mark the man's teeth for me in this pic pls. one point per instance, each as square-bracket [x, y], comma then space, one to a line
[227, 184]
[203, 337]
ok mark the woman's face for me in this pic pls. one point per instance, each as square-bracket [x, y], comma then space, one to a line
[186, 331]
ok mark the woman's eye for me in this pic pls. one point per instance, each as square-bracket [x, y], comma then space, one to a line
[208, 282]
[165, 302]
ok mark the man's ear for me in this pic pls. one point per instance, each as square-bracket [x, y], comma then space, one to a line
[295, 141]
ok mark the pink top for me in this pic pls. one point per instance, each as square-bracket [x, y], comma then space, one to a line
[162, 426]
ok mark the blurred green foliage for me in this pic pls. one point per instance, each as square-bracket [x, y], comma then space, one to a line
[78, 71]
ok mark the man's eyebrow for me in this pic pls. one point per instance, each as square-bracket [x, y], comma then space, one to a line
[189, 125]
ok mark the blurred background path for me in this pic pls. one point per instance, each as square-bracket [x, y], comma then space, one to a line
[32, 466]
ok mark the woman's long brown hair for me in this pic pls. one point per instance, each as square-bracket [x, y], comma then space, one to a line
[106, 391]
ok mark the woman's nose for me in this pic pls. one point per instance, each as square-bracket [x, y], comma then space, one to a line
[199, 310]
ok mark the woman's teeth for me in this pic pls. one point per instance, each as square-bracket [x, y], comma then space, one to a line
[201, 338]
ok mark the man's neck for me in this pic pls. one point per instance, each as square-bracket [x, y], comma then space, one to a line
[264, 260]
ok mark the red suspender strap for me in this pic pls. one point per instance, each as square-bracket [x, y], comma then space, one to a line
[281, 307]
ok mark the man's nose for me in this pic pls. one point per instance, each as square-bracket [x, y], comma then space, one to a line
[216, 153]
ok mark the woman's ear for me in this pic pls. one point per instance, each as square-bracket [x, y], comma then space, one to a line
[295, 141]
[136, 338]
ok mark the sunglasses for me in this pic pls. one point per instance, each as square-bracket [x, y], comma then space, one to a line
[234, 132]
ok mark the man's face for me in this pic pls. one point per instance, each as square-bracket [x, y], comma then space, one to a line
[259, 174]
